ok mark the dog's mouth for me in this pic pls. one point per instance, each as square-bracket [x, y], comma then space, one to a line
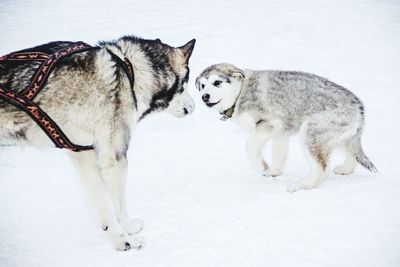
[212, 104]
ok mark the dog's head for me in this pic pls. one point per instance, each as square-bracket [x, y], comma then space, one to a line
[171, 74]
[220, 86]
[162, 73]
[181, 103]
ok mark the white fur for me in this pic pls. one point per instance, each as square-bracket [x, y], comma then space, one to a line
[99, 109]
[183, 100]
[101, 193]
[273, 105]
[224, 93]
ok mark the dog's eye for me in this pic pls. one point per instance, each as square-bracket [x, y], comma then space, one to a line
[202, 86]
[217, 82]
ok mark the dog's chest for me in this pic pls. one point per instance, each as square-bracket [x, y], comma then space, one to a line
[245, 121]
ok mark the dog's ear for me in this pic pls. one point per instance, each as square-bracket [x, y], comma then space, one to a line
[197, 83]
[238, 74]
[187, 50]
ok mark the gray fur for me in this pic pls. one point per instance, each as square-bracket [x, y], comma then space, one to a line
[90, 97]
[282, 103]
[89, 87]
[295, 96]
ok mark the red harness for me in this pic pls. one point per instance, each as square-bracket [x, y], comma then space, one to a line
[23, 100]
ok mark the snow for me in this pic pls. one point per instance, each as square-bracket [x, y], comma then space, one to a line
[189, 179]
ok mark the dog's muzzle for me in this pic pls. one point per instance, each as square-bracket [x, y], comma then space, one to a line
[181, 105]
[205, 98]
[189, 108]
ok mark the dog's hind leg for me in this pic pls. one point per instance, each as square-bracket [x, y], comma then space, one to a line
[316, 148]
[354, 154]
[349, 163]
[319, 163]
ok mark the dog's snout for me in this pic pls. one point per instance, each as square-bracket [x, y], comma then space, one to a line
[205, 97]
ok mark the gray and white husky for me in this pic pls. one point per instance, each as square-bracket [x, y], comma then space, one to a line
[89, 96]
[273, 105]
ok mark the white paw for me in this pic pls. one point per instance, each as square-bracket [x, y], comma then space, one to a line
[343, 170]
[126, 243]
[265, 173]
[262, 167]
[271, 172]
[303, 185]
[274, 171]
[133, 226]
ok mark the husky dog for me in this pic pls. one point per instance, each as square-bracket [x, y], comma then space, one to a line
[273, 105]
[90, 97]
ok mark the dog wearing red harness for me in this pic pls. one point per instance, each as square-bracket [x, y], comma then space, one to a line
[88, 99]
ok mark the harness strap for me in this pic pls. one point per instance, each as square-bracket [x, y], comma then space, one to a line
[41, 118]
[23, 99]
[25, 56]
[47, 66]
[126, 65]
[131, 75]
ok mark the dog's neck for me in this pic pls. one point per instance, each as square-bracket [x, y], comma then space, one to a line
[227, 114]
[144, 83]
[126, 65]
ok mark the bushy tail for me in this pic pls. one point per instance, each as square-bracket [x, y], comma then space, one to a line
[359, 153]
[365, 162]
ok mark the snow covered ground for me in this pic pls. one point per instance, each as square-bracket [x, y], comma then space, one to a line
[189, 179]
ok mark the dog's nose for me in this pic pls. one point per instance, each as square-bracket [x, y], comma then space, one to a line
[205, 97]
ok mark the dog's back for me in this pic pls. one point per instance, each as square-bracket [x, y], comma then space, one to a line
[299, 95]
[16, 75]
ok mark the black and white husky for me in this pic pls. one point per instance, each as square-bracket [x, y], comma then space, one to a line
[273, 105]
[90, 97]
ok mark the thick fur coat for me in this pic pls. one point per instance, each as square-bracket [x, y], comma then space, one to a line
[273, 105]
[90, 97]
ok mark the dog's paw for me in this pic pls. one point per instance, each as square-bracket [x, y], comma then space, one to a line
[130, 242]
[274, 172]
[343, 170]
[271, 172]
[262, 168]
[265, 173]
[136, 242]
[302, 185]
[122, 240]
[133, 226]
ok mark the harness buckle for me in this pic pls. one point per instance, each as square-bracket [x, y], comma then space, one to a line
[224, 118]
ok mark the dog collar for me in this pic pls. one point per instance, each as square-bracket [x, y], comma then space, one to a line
[227, 114]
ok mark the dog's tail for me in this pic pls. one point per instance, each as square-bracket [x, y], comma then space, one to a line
[364, 161]
[358, 152]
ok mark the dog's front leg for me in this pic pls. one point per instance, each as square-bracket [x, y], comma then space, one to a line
[279, 152]
[87, 165]
[254, 148]
[113, 169]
